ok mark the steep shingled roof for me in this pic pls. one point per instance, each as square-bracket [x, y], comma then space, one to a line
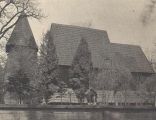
[132, 57]
[67, 38]
[22, 34]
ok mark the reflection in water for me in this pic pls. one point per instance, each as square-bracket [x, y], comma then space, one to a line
[129, 115]
[31, 115]
[49, 115]
[40, 115]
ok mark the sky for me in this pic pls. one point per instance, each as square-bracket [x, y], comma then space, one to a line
[122, 19]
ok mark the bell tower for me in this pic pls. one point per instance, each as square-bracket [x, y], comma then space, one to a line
[21, 51]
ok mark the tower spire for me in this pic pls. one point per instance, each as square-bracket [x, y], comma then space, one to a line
[22, 34]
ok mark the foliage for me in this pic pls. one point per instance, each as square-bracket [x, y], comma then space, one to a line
[10, 11]
[115, 78]
[80, 94]
[75, 83]
[81, 70]
[20, 85]
[78, 87]
[48, 64]
[82, 65]
[48, 60]
[147, 90]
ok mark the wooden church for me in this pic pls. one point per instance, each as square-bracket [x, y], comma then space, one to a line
[22, 52]
[104, 54]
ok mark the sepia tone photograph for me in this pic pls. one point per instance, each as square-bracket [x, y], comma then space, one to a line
[77, 59]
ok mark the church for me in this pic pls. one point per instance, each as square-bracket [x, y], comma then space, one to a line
[104, 54]
[22, 51]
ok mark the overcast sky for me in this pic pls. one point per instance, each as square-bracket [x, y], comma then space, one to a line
[120, 18]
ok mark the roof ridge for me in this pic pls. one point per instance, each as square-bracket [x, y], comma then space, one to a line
[76, 26]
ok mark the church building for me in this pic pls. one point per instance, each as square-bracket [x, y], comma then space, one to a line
[104, 53]
[22, 52]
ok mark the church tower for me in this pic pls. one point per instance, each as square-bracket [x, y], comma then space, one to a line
[21, 52]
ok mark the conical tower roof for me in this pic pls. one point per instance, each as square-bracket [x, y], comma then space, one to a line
[22, 34]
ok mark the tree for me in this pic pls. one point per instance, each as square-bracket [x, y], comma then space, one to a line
[82, 65]
[10, 10]
[78, 87]
[81, 69]
[20, 85]
[147, 90]
[114, 77]
[48, 65]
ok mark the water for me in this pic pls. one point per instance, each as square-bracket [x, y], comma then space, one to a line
[48, 115]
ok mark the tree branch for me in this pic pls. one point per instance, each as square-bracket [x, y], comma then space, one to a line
[1, 31]
[10, 15]
[7, 29]
[3, 8]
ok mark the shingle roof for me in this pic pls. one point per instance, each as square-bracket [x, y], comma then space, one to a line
[22, 34]
[67, 38]
[132, 57]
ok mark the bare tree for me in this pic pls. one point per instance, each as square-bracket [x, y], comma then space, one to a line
[10, 10]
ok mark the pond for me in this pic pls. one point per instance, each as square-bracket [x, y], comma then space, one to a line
[78, 115]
